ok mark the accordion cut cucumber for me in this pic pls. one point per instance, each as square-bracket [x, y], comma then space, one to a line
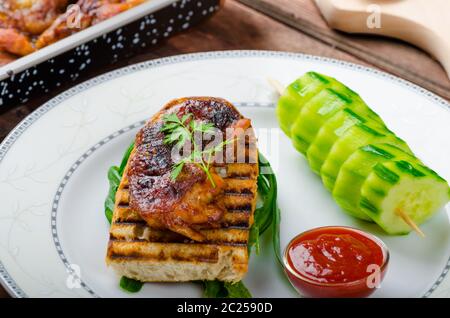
[357, 136]
[356, 169]
[401, 186]
[313, 114]
[372, 174]
[330, 131]
[319, 109]
[296, 95]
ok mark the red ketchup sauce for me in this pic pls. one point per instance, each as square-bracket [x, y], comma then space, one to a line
[335, 262]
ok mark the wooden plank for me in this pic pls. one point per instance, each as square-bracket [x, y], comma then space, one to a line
[390, 55]
[3, 293]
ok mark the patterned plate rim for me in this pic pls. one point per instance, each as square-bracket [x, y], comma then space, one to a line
[8, 282]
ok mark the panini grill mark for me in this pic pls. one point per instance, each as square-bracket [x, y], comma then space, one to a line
[240, 186]
[190, 242]
[160, 252]
[238, 202]
[236, 218]
[243, 192]
[239, 226]
[248, 170]
[239, 177]
[239, 210]
[131, 222]
[163, 252]
[232, 219]
[234, 234]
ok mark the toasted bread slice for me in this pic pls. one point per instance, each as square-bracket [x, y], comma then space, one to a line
[151, 253]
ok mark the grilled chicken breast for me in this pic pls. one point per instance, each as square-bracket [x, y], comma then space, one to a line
[186, 229]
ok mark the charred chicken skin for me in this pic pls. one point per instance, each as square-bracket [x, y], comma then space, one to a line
[191, 201]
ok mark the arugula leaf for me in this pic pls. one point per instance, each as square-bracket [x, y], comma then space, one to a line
[114, 181]
[268, 184]
[237, 290]
[125, 158]
[267, 190]
[276, 235]
[114, 176]
[218, 289]
[213, 289]
[253, 239]
[130, 285]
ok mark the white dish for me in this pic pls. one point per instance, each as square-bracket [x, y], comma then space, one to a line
[53, 172]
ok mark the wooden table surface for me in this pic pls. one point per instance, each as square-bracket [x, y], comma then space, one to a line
[284, 25]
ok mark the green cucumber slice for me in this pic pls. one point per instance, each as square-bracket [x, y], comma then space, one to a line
[322, 107]
[355, 170]
[296, 95]
[403, 185]
[356, 136]
[328, 134]
[313, 114]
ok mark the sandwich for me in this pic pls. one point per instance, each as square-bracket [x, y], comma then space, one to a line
[186, 217]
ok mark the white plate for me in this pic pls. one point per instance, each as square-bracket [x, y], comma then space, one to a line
[53, 172]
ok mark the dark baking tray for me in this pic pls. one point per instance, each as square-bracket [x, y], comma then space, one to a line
[119, 37]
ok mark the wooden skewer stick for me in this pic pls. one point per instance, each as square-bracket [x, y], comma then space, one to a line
[276, 85]
[410, 222]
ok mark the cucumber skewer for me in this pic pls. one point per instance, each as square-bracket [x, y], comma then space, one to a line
[278, 87]
[410, 222]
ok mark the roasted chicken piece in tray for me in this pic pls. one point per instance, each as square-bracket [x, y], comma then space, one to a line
[34, 16]
[6, 58]
[85, 14]
[12, 39]
[27, 25]
[188, 228]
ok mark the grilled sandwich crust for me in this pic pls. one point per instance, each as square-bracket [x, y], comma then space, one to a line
[149, 252]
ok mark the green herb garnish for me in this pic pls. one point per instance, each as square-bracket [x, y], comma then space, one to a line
[182, 131]
[266, 215]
